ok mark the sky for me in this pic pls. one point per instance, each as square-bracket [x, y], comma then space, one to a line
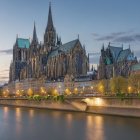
[96, 22]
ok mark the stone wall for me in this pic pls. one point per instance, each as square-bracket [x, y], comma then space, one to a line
[111, 106]
[114, 106]
[38, 104]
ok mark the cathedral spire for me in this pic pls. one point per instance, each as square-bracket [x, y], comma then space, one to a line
[34, 40]
[50, 33]
[50, 21]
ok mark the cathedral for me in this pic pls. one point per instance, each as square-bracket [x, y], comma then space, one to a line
[50, 60]
[115, 61]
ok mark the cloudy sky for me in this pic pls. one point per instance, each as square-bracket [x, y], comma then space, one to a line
[96, 22]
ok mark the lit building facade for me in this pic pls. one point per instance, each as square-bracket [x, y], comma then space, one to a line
[50, 60]
[115, 61]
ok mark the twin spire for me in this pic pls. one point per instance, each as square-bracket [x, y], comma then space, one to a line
[49, 26]
[35, 39]
[50, 21]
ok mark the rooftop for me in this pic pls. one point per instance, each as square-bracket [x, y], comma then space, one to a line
[23, 43]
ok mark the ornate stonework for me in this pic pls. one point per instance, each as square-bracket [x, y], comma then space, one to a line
[115, 61]
[50, 60]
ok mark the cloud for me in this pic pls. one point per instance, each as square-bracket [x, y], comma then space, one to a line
[125, 39]
[95, 34]
[8, 51]
[120, 37]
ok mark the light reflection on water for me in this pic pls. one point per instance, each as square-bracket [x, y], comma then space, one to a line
[34, 124]
[94, 123]
[31, 113]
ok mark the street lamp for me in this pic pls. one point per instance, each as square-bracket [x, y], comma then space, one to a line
[129, 89]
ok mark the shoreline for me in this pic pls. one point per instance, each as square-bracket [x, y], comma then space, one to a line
[74, 106]
[73, 111]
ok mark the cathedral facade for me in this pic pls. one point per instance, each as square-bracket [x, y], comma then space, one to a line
[115, 61]
[50, 60]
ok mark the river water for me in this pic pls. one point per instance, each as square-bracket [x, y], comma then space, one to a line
[35, 124]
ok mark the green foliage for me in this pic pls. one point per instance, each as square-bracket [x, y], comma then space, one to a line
[134, 82]
[103, 86]
[61, 98]
[0, 92]
[139, 95]
[118, 85]
[121, 95]
[30, 97]
[37, 97]
[56, 98]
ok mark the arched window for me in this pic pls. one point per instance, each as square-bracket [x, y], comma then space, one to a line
[19, 55]
[78, 63]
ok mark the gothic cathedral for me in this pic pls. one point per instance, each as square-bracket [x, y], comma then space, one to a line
[51, 59]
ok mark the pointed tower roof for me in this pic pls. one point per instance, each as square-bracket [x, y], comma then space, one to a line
[50, 21]
[34, 40]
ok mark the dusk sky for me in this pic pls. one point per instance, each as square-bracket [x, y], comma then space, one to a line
[96, 22]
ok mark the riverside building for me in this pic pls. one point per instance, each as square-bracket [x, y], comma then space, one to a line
[51, 60]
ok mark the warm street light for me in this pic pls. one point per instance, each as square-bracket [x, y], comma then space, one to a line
[129, 89]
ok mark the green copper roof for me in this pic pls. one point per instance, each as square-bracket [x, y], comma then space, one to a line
[123, 55]
[107, 61]
[23, 43]
[115, 51]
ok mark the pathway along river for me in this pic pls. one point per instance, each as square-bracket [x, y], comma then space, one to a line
[39, 124]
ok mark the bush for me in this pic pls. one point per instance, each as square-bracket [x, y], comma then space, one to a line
[61, 98]
[30, 97]
[37, 97]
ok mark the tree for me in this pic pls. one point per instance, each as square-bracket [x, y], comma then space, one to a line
[134, 83]
[30, 92]
[0, 91]
[103, 86]
[118, 85]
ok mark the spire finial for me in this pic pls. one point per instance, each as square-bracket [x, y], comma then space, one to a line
[17, 36]
[103, 46]
[78, 36]
[129, 46]
[34, 40]
[50, 21]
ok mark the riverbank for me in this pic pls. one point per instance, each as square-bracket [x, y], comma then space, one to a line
[109, 106]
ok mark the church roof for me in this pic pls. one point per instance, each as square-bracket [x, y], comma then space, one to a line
[68, 46]
[23, 43]
[64, 48]
[123, 55]
[135, 67]
[115, 51]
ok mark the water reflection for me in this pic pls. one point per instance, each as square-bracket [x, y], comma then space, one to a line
[18, 117]
[35, 124]
[18, 114]
[69, 119]
[94, 123]
[31, 113]
[6, 110]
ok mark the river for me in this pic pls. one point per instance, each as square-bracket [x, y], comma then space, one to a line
[40, 124]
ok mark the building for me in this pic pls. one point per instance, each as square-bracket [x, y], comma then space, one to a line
[135, 69]
[115, 61]
[50, 60]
